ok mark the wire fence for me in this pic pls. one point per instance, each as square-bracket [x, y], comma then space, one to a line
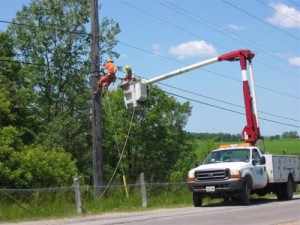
[83, 199]
[61, 201]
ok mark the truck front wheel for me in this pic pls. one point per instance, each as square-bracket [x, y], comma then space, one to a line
[246, 192]
[197, 199]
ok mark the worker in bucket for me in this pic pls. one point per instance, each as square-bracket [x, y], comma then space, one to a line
[129, 76]
[109, 77]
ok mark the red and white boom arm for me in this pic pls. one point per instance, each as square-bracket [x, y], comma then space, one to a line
[251, 132]
[136, 93]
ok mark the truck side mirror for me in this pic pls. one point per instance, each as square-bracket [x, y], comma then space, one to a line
[262, 160]
[254, 162]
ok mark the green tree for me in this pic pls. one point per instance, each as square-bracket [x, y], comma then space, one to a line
[24, 166]
[157, 143]
[21, 164]
[290, 134]
[51, 38]
[204, 148]
[16, 92]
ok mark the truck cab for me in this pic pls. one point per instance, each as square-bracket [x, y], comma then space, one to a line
[229, 171]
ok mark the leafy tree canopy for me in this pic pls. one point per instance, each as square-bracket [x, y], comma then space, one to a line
[52, 41]
[157, 145]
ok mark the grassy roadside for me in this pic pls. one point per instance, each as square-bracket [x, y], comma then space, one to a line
[44, 206]
[59, 205]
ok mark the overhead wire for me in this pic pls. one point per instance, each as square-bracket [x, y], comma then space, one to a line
[270, 7]
[203, 95]
[193, 34]
[44, 27]
[197, 94]
[228, 103]
[186, 13]
[207, 70]
[229, 110]
[171, 24]
[295, 3]
[210, 25]
[267, 65]
[260, 20]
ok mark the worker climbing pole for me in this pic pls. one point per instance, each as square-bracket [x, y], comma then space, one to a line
[107, 76]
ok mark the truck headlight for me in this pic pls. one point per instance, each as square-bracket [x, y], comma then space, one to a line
[191, 176]
[235, 174]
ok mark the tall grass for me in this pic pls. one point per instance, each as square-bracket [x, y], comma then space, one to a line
[62, 204]
[24, 206]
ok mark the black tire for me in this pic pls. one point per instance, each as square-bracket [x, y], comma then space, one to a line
[279, 191]
[288, 189]
[261, 192]
[226, 199]
[246, 192]
[197, 199]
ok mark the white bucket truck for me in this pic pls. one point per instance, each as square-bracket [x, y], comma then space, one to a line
[232, 170]
[237, 171]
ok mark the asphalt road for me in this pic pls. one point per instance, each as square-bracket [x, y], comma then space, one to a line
[260, 212]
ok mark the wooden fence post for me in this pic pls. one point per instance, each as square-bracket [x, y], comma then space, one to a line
[77, 194]
[143, 190]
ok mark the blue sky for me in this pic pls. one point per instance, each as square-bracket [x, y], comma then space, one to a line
[159, 36]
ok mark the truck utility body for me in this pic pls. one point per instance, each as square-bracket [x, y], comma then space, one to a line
[237, 171]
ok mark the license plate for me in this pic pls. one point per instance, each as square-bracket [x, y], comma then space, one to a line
[210, 188]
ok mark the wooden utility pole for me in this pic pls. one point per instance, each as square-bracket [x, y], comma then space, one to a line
[96, 101]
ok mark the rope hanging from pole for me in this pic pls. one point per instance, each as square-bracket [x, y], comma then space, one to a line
[120, 158]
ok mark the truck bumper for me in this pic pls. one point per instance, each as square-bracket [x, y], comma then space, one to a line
[223, 188]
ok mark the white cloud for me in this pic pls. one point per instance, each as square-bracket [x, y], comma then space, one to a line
[236, 27]
[284, 16]
[193, 49]
[294, 61]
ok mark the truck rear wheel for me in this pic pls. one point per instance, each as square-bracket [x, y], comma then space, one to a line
[287, 190]
[246, 192]
[197, 199]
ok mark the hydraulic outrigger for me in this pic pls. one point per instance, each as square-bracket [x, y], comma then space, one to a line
[135, 93]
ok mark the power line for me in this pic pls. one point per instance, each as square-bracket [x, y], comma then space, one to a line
[209, 71]
[197, 101]
[260, 20]
[169, 23]
[229, 110]
[32, 63]
[287, 73]
[198, 19]
[44, 27]
[186, 31]
[168, 58]
[295, 3]
[228, 103]
[261, 2]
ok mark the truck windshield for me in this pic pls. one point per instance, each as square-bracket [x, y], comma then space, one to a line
[228, 155]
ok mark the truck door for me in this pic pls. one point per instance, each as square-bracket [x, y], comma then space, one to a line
[259, 173]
